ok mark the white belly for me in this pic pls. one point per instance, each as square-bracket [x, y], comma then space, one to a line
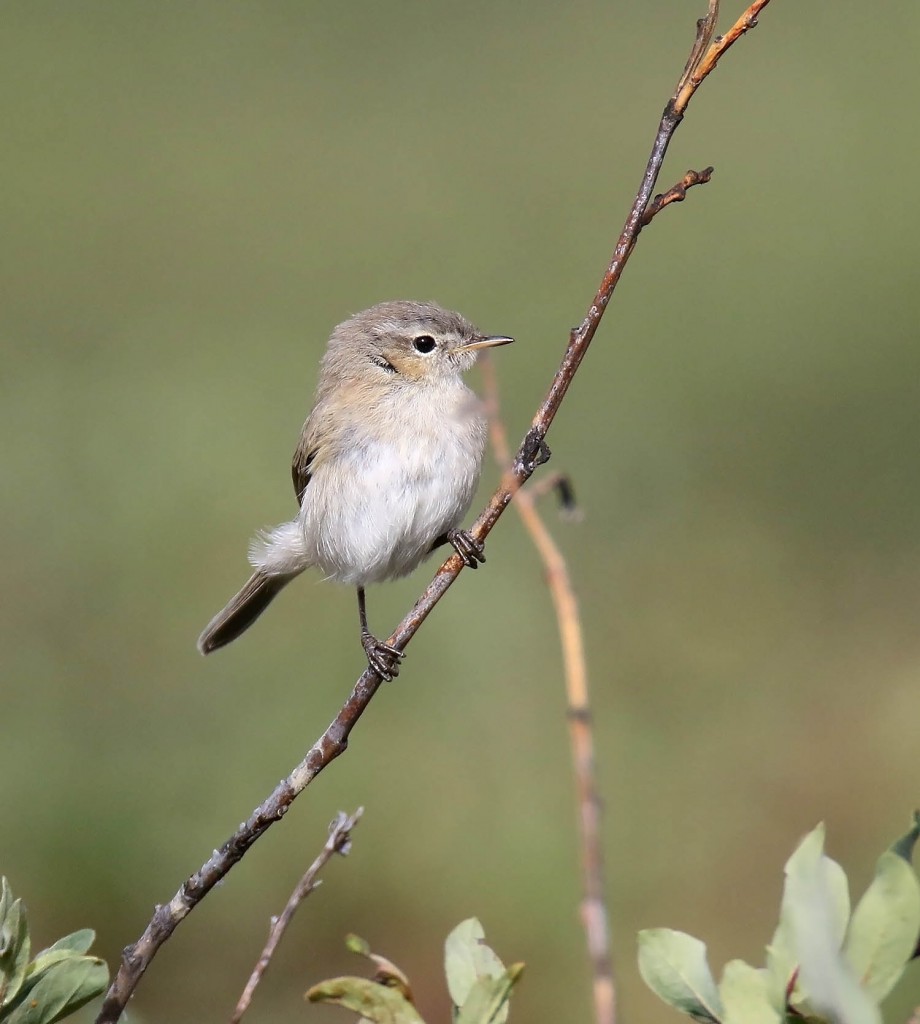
[372, 513]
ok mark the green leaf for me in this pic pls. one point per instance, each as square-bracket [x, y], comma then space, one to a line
[15, 946]
[904, 847]
[815, 916]
[744, 996]
[487, 1000]
[6, 900]
[808, 858]
[886, 923]
[674, 967]
[782, 953]
[77, 942]
[467, 959]
[355, 944]
[10, 931]
[373, 1001]
[386, 972]
[61, 990]
[72, 945]
[781, 960]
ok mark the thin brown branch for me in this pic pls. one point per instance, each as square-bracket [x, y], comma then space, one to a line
[531, 453]
[339, 841]
[707, 62]
[705, 30]
[594, 916]
[676, 193]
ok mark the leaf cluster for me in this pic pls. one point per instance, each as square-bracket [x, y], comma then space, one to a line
[57, 982]
[824, 963]
[479, 983]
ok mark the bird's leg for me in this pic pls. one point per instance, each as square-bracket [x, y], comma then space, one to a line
[472, 551]
[382, 658]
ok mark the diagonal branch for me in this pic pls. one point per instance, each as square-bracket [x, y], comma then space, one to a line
[530, 454]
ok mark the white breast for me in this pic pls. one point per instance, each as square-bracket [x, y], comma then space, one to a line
[372, 513]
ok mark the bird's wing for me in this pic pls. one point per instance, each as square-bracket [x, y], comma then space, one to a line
[304, 454]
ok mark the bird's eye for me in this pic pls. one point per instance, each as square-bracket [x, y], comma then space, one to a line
[424, 343]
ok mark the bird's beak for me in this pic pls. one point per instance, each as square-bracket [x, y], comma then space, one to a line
[491, 342]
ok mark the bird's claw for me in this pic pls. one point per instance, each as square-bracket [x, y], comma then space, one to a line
[534, 452]
[381, 658]
[472, 551]
[541, 456]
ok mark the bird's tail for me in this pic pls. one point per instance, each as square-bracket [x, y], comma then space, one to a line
[277, 555]
[242, 610]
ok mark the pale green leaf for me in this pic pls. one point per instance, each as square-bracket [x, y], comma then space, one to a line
[14, 960]
[355, 944]
[6, 901]
[385, 971]
[72, 945]
[10, 931]
[65, 987]
[487, 1000]
[674, 967]
[827, 986]
[886, 923]
[805, 861]
[467, 959]
[77, 942]
[370, 999]
[782, 953]
[781, 961]
[744, 996]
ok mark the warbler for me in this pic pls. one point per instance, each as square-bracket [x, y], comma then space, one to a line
[386, 467]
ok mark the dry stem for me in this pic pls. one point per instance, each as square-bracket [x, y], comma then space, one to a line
[531, 452]
[594, 916]
[339, 841]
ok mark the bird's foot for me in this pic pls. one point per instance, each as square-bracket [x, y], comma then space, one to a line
[472, 551]
[534, 452]
[381, 658]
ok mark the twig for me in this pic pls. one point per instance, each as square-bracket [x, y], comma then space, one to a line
[531, 453]
[594, 916]
[339, 841]
[693, 76]
[676, 193]
[705, 30]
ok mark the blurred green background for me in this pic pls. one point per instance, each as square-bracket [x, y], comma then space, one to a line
[194, 194]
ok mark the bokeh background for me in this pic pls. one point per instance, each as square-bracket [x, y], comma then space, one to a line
[193, 195]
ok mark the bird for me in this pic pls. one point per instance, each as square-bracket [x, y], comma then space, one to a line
[386, 467]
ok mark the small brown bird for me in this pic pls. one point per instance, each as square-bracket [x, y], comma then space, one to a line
[385, 469]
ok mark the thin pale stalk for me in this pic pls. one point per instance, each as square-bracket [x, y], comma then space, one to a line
[339, 841]
[594, 916]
